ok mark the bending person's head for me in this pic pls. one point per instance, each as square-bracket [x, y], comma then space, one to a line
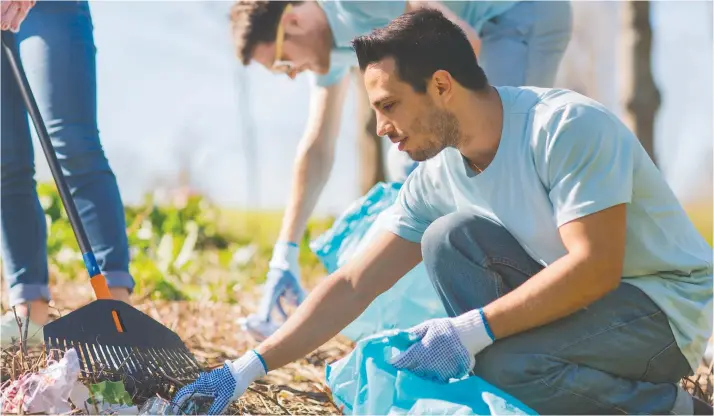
[284, 36]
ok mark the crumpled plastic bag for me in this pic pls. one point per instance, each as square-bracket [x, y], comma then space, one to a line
[364, 382]
[45, 391]
[411, 300]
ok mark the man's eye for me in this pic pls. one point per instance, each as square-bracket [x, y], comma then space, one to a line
[388, 107]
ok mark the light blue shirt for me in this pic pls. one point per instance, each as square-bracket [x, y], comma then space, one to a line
[563, 156]
[349, 19]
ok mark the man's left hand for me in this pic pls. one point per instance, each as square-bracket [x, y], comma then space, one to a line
[446, 347]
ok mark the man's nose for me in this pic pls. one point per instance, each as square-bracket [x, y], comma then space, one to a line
[384, 127]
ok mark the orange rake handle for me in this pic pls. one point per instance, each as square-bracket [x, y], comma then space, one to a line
[99, 284]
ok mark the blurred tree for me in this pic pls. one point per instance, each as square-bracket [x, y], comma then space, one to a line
[371, 154]
[642, 98]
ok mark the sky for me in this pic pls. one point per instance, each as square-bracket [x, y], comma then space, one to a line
[172, 94]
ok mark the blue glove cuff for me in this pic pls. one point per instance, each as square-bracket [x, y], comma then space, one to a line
[285, 257]
[485, 324]
[288, 243]
[262, 361]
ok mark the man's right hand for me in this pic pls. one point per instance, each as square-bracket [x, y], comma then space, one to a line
[223, 385]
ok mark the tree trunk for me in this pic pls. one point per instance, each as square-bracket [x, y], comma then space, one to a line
[642, 98]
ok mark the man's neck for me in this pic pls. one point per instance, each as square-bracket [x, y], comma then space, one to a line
[481, 120]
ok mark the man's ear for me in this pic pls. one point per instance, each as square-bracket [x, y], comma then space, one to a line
[443, 84]
[292, 22]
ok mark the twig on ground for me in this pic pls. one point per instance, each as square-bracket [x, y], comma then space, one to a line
[328, 394]
[261, 394]
[27, 326]
[19, 327]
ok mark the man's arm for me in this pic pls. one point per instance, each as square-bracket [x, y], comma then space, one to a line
[439, 5]
[585, 158]
[591, 268]
[315, 157]
[340, 298]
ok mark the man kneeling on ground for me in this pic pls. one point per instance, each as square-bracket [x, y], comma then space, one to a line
[572, 276]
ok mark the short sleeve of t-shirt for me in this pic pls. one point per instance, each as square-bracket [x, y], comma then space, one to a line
[413, 212]
[348, 20]
[585, 158]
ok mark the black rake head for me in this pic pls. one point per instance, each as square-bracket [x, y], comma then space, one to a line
[147, 356]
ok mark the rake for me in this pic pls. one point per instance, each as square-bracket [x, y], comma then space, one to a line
[114, 341]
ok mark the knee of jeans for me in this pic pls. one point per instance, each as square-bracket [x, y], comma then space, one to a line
[441, 235]
[17, 177]
[80, 156]
[459, 231]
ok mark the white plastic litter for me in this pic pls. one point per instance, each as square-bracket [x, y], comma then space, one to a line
[46, 391]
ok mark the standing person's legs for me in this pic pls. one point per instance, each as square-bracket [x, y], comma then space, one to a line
[616, 356]
[58, 53]
[524, 45]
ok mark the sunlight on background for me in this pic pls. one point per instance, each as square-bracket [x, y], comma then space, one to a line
[169, 102]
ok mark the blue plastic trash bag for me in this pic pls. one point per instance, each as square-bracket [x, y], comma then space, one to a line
[412, 300]
[365, 384]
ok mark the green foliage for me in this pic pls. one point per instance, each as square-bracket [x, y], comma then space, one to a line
[188, 251]
[110, 392]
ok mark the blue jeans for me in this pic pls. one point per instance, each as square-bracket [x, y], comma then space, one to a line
[522, 47]
[616, 356]
[57, 50]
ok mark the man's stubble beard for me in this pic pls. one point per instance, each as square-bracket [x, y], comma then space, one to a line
[442, 129]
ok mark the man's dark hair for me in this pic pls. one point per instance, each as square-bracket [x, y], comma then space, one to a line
[421, 43]
[254, 22]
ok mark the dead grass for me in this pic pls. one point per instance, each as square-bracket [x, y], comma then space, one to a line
[210, 330]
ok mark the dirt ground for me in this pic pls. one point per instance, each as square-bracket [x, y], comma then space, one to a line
[211, 331]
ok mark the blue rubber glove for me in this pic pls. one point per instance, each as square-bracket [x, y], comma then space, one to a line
[446, 347]
[282, 285]
[224, 385]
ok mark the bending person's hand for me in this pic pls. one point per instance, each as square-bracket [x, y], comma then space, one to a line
[14, 12]
[282, 284]
[225, 384]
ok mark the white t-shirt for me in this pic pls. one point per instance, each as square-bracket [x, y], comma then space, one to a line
[563, 156]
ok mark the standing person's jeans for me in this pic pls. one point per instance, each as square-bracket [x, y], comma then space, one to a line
[521, 47]
[616, 356]
[57, 50]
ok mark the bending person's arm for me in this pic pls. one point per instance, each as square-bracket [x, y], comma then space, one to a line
[315, 158]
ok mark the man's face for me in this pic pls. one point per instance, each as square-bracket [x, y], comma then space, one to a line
[413, 120]
[301, 43]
